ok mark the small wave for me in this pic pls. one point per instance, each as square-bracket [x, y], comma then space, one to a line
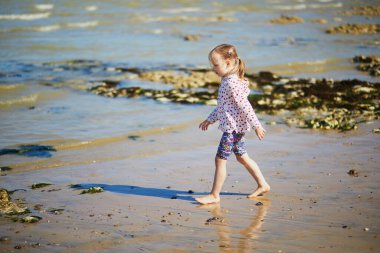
[47, 28]
[290, 7]
[182, 10]
[50, 28]
[82, 24]
[44, 7]
[10, 87]
[91, 8]
[24, 100]
[298, 7]
[25, 16]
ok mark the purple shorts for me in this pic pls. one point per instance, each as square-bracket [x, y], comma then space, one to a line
[231, 142]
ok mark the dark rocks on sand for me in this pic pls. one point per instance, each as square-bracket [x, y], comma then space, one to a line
[39, 185]
[353, 172]
[370, 64]
[313, 103]
[259, 203]
[2, 169]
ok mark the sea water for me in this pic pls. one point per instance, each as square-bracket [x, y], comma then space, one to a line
[43, 98]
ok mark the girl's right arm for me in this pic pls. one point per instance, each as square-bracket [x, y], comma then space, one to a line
[212, 118]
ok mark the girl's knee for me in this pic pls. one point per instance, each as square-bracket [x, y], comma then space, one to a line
[240, 159]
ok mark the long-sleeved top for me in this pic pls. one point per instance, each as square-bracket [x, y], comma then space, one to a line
[233, 109]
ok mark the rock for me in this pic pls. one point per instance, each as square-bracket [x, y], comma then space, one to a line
[259, 203]
[287, 20]
[55, 210]
[190, 191]
[355, 29]
[363, 10]
[7, 206]
[319, 21]
[194, 37]
[376, 130]
[211, 102]
[30, 219]
[39, 185]
[2, 169]
[93, 190]
[214, 220]
[353, 172]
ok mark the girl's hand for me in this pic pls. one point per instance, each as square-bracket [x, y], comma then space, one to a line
[204, 125]
[260, 132]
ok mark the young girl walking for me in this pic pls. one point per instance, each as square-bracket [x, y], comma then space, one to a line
[236, 116]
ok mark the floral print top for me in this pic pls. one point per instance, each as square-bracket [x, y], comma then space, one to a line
[233, 109]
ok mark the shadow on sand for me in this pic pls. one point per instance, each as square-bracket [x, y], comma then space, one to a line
[151, 192]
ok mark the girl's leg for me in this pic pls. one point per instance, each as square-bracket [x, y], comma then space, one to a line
[254, 170]
[219, 177]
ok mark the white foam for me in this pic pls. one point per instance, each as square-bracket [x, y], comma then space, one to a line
[182, 10]
[82, 24]
[44, 7]
[91, 8]
[47, 28]
[290, 7]
[25, 16]
[20, 100]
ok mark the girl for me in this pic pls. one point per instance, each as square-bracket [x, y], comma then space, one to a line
[236, 116]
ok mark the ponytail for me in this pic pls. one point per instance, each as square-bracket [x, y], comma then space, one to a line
[241, 68]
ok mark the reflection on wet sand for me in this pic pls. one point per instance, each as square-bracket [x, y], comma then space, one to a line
[226, 228]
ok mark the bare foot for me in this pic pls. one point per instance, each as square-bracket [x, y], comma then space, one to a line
[208, 199]
[259, 191]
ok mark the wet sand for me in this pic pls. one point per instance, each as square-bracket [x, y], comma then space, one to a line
[314, 205]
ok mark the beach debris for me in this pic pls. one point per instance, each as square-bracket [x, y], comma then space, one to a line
[39, 185]
[370, 64]
[214, 220]
[92, 190]
[287, 20]
[8, 207]
[376, 130]
[259, 203]
[55, 210]
[355, 29]
[133, 137]
[353, 172]
[5, 168]
[192, 37]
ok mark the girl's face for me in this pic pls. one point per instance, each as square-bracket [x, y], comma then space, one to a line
[220, 66]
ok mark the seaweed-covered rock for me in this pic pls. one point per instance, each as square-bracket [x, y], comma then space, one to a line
[363, 10]
[370, 64]
[355, 29]
[7, 206]
[93, 190]
[39, 185]
[287, 20]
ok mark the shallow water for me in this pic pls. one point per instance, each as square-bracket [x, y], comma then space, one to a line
[48, 102]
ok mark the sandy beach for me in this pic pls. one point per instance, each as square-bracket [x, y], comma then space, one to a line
[100, 104]
[147, 204]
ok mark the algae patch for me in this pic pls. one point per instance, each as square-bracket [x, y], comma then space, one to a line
[8, 207]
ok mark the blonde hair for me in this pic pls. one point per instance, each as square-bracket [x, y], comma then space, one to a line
[229, 52]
